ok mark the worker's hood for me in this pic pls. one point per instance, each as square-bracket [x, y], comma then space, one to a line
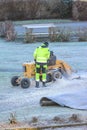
[44, 45]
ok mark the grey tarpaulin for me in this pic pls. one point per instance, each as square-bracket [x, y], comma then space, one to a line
[74, 99]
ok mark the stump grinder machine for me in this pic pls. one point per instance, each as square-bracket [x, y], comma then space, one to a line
[56, 70]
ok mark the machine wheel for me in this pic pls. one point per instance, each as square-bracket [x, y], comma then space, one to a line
[25, 83]
[14, 81]
[49, 77]
[56, 75]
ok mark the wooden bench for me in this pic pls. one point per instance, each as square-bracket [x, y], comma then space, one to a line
[31, 33]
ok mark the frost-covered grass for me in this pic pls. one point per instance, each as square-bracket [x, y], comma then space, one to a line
[25, 102]
[41, 21]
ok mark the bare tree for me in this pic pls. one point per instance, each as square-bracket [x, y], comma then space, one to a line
[75, 12]
[80, 10]
[32, 8]
[62, 9]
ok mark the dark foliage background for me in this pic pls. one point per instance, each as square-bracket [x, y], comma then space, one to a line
[35, 9]
[42, 9]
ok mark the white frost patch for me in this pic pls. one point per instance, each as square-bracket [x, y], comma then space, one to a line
[18, 97]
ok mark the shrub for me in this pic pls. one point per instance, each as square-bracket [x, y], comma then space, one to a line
[63, 36]
[82, 34]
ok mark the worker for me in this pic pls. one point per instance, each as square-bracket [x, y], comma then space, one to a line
[41, 56]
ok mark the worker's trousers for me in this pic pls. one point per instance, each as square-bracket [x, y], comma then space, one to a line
[41, 69]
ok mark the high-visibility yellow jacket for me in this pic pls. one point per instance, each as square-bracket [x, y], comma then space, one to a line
[41, 54]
